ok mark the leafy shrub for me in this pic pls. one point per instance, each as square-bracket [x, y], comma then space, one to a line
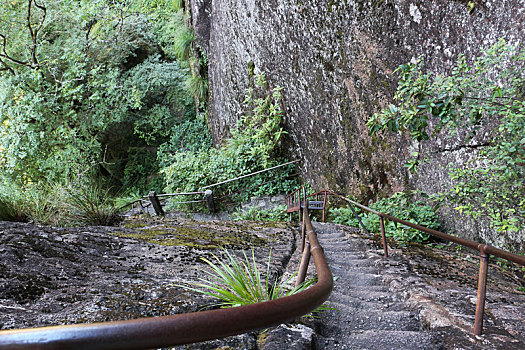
[277, 213]
[140, 164]
[94, 67]
[399, 205]
[190, 135]
[252, 147]
[486, 97]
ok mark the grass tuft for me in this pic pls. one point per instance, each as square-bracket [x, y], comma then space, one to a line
[182, 41]
[239, 282]
[90, 204]
[13, 206]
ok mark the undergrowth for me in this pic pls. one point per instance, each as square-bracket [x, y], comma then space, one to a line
[401, 205]
[83, 202]
[253, 146]
[13, 207]
[235, 282]
[277, 213]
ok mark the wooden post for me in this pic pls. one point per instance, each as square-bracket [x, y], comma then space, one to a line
[155, 203]
[209, 201]
[482, 291]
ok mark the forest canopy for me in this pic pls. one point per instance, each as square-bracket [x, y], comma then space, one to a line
[87, 85]
[108, 97]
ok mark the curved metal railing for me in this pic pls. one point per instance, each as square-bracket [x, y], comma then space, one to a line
[485, 250]
[156, 332]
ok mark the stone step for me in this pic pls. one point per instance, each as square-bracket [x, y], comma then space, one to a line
[333, 240]
[349, 290]
[351, 261]
[347, 318]
[384, 340]
[361, 278]
[342, 256]
[349, 270]
[368, 315]
[387, 303]
[365, 295]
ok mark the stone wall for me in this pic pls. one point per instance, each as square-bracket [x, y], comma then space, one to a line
[335, 60]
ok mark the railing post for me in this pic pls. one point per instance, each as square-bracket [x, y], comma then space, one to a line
[324, 205]
[209, 201]
[305, 246]
[482, 290]
[300, 206]
[156, 203]
[303, 232]
[383, 235]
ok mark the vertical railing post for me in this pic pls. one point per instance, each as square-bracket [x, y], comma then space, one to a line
[300, 210]
[324, 205]
[383, 235]
[156, 203]
[303, 231]
[305, 259]
[209, 201]
[482, 290]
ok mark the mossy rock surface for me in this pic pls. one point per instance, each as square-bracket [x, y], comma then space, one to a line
[51, 276]
[205, 235]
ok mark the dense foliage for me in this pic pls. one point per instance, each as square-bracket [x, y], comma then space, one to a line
[401, 205]
[277, 213]
[98, 96]
[75, 72]
[486, 97]
[252, 147]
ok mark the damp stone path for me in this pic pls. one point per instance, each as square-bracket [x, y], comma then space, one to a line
[368, 315]
[408, 301]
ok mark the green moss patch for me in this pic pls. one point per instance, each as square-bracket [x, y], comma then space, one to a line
[203, 235]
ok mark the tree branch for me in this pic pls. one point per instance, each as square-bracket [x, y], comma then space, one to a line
[5, 55]
[6, 67]
[88, 32]
[34, 32]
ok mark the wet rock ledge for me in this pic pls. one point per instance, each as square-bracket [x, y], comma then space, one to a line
[54, 276]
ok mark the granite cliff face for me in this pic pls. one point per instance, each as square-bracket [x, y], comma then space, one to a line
[335, 60]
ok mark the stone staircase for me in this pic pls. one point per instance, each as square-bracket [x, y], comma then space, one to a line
[411, 300]
[369, 316]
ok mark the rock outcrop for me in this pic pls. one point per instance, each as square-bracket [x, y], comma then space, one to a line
[54, 276]
[335, 60]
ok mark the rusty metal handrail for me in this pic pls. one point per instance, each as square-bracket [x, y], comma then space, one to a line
[485, 251]
[156, 332]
